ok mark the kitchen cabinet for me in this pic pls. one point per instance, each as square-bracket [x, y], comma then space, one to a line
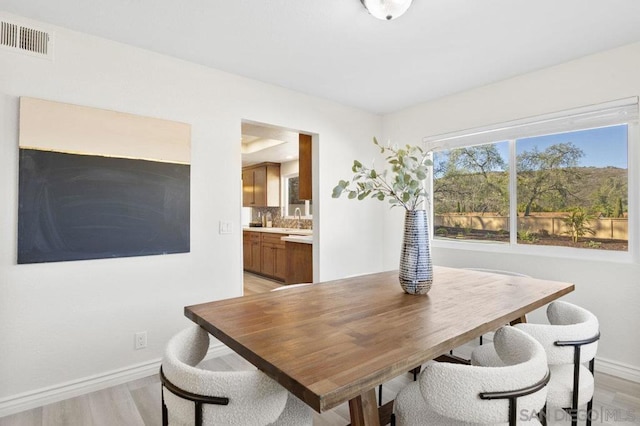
[264, 253]
[251, 252]
[274, 259]
[261, 185]
[299, 263]
[304, 167]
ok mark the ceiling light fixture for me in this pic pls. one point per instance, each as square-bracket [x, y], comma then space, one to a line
[386, 9]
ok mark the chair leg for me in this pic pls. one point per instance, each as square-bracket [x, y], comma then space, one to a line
[542, 415]
[590, 403]
[165, 419]
[415, 372]
[480, 340]
[393, 419]
[380, 396]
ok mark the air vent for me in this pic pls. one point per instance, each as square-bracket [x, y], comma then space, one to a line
[27, 40]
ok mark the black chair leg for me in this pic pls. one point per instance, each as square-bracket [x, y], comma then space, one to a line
[415, 372]
[165, 418]
[380, 396]
[592, 367]
[393, 419]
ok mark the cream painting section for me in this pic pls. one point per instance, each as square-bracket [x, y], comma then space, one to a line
[73, 129]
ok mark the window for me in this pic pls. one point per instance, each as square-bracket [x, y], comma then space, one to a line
[471, 192]
[573, 189]
[291, 201]
[560, 180]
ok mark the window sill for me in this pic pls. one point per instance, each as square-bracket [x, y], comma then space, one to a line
[540, 251]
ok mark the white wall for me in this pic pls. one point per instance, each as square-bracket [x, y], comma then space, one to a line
[74, 321]
[611, 290]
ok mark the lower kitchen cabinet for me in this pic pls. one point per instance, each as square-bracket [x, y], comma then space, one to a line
[251, 253]
[274, 258]
[265, 254]
[299, 263]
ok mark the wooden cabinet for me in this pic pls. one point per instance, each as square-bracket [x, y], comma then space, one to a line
[261, 185]
[304, 167]
[299, 263]
[251, 253]
[264, 253]
[274, 259]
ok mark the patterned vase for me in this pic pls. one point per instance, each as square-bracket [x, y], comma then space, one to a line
[416, 267]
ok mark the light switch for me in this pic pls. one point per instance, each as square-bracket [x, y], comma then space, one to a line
[225, 227]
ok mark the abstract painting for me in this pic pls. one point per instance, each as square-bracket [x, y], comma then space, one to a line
[98, 184]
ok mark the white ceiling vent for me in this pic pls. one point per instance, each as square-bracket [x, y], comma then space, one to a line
[26, 40]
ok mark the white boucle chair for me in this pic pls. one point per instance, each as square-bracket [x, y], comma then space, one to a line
[569, 341]
[191, 395]
[448, 394]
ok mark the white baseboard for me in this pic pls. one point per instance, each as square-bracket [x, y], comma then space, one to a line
[50, 394]
[618, 369]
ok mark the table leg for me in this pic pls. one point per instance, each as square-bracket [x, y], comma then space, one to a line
[364, 409]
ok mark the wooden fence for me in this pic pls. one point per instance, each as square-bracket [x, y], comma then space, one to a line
[604, 228]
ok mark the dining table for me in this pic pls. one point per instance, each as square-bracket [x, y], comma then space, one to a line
[334, 342]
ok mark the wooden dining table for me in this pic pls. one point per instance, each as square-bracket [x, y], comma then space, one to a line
[336, 341]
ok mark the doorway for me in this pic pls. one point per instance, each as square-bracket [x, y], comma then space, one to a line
[276, 205]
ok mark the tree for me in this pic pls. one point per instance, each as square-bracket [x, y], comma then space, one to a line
[474, 177]
[548, 177]
[607, 198]
[619, 210]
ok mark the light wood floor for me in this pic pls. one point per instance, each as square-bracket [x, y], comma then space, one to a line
[138, 402]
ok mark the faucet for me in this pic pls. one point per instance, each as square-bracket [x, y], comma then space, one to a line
[297, 213]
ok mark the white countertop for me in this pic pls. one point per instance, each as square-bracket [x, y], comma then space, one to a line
[293, 231]
[304, 239]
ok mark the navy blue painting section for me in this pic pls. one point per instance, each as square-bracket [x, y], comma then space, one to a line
[74, 207]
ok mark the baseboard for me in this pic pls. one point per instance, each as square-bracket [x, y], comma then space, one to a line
[50, 394]
[618, 369]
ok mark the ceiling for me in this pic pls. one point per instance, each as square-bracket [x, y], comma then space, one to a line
[335, 50]
[262, 143]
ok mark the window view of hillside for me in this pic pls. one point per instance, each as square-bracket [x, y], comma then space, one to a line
[471, 193]
[571, 190]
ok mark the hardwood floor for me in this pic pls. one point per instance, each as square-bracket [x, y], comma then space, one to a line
[256, 284]
[616, 401]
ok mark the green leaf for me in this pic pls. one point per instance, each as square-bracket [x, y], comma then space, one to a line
[373, 174]
[352, 195]
[337, 191]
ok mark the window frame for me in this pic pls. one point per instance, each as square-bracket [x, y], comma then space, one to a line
[596, 116]
[307, 213]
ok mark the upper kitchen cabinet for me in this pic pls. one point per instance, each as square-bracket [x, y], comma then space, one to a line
[304, 151]
[261, 185]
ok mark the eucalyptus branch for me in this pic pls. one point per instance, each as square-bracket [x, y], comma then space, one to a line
[409, 166]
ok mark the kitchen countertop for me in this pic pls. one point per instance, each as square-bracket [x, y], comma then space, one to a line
[292, 231]
[304, 239]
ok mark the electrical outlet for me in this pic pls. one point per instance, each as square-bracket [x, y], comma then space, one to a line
[140, 340]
